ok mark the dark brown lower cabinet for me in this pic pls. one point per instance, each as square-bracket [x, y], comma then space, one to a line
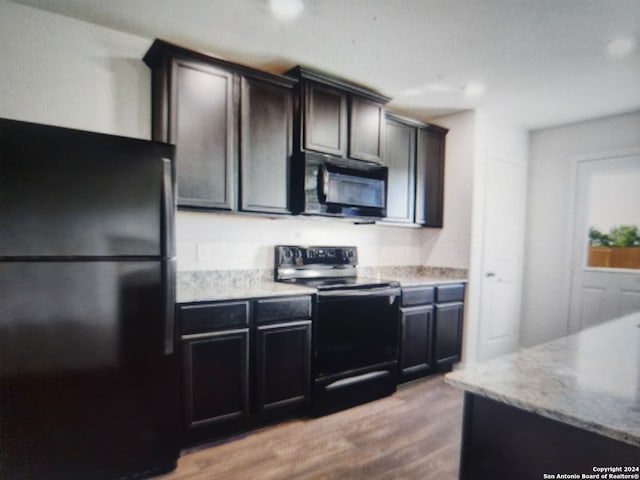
[214, 363]
[283, 365]
[245, 363]
[448, 338]
[431, 322]
[417, 332]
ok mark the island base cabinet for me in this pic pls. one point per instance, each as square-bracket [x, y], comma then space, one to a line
[502, 442]
[283, 367]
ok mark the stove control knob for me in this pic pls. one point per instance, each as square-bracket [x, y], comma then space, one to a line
[288, 254]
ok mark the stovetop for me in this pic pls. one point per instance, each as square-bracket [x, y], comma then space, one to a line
[342, 283]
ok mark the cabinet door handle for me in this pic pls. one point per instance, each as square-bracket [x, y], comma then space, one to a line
[490, 274]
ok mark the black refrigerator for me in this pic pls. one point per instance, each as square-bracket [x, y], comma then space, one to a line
[88, 374]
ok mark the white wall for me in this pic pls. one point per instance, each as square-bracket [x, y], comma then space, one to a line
[66, 72]
[220, 241]
[482, 133]
[552, 156]
[60, 71]
[451, 246]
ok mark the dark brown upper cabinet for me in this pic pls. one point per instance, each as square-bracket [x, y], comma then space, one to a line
[367, 129]
[414, 154]
[400, 159]
[430, 176]
[232, 127]
[325, 124]
[265, 149]
[337, 117]
[202, 126]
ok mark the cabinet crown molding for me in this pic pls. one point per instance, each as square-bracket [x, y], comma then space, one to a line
[162, 50]
[305, 73]
[413, 122]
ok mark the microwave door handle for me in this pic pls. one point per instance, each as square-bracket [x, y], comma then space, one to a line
[323, 183]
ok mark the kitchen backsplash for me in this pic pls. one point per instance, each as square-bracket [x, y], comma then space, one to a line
[212, 242]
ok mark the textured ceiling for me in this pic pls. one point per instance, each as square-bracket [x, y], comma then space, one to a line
[544, 62]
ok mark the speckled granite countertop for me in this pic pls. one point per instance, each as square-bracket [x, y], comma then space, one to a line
[416, 281]
[208, 286]
[411, 276]
[590, 380]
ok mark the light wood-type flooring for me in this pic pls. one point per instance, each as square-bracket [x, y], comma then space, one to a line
[411, 435]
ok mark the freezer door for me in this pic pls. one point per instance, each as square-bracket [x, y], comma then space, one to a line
[66, 192]
[88, 385]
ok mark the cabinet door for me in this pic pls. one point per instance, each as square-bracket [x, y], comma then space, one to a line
[325, 122]
[203, 129]
[283, 364]
[415, 349]
[365, 128]
[399, 157]
[216, 377]
[430, 178]
[266, 126]
[448, 332]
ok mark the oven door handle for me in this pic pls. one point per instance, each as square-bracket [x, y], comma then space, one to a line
[368, 292]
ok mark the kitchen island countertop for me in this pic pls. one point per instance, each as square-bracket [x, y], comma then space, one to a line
[590, 380]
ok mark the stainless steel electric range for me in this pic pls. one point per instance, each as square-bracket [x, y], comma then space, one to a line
[356, 325]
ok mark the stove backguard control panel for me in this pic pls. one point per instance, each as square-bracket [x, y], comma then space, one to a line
[292, 256]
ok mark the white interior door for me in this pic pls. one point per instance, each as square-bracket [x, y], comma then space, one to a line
[503, 240]
[607, 196]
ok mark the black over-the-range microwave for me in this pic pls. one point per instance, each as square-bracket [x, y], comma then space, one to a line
[326, 185]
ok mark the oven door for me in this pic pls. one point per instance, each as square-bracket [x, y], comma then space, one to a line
[355, 331]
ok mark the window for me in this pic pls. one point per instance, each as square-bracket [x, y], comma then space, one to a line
[613, 214]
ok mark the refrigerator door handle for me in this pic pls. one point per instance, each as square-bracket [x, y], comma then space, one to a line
[169, 309]
[169, 209]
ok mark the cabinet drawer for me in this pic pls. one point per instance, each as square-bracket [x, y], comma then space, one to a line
[204, 318]
[417, 296]
[269, 310]
[450, 293]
